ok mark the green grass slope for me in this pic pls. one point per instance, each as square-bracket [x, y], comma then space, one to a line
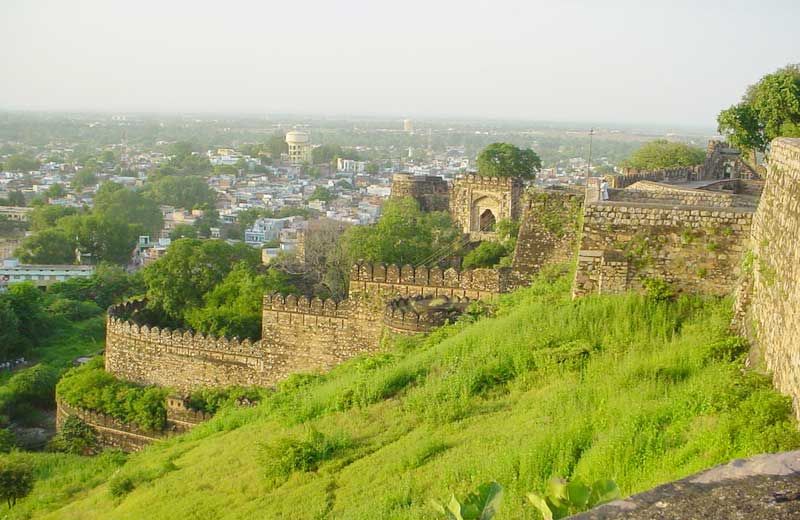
[617, 387]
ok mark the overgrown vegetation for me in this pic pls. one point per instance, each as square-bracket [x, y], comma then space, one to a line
[92, 388]
[631, 388]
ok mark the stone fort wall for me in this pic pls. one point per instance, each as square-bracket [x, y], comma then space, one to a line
[113, 433]
[472, 195]
[548, 232]
[768, 303]
[298, 334]
[693, 248]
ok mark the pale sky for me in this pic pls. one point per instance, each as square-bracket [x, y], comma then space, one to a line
[675, 62]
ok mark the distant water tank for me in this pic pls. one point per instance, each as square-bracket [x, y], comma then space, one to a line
[408, 125]
[296, 137]
[299, 147]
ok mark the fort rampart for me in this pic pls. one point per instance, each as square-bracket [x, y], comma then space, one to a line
[298, 334]
[768, 303]
[693, 248]
[656, 193]
[548, 232]
[113, 433]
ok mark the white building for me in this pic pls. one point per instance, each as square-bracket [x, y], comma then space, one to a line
[39, 274]
[299, 147]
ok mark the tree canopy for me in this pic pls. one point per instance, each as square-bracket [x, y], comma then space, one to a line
[768, 109]
[233, 307]
[507, 160]
[191, 268]
[403, 235]
[660, 154]
[182, 192]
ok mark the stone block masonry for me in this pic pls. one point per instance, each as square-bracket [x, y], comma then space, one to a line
[695, 249]
[548, 232]
[768, 302]
[113, 433]
[298, 334]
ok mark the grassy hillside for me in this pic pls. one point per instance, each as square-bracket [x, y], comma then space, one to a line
[615, 387]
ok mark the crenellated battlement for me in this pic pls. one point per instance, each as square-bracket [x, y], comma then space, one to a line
[487, 280]
[422, 314]
[123, 327]
[490, 182]
[304, 305]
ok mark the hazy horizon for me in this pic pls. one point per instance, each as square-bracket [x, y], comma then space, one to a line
[627, 63]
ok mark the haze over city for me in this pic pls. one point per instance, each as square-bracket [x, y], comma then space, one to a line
[622, 61]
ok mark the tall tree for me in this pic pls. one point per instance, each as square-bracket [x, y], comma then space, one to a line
[49, 246]
[191, 268]
[507, 160]
[768, 109]
[660, 154]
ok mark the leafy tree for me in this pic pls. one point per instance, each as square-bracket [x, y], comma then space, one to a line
[109, 284]
[16, 198]
[277, 145]
[55, 191]
[28, 304]
[191, 268]
[11, 341]
[21, 163]
[322, 193]
[85, 178]
[768, 109]
[16, 481]
[50, 246]
[115, 201]
[372, 168]
[74, 436]
[507, 160]
[660, 154]
[233, 307]
[46, 216]
[183, 231]
[182, 192]
[403, 235]
[8, 441]
[325, 154]
[103, 236]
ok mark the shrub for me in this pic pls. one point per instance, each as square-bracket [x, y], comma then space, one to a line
[567, 498]
[8, 440]
[210, 400]
[658, 289]
[92, 388]
[120, 486]
[75, 436]
[74, 310]
[286, 455]
[33, 386]
[487, 254]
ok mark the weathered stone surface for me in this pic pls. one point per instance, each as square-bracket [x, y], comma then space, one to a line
[298, 334]
[472, 195]
[693, 248]
[768, 301]
[765, 487]
[431, 192]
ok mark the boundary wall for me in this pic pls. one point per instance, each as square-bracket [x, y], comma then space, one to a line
[298, 334]
[768, 300]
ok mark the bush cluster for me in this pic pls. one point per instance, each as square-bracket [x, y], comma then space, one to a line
[92, 388]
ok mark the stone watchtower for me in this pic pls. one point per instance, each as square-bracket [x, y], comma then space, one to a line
[431, 193]
[478, 203]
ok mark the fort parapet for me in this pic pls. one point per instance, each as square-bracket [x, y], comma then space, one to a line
[768, 300]
[113, 433]
[432, 193]
[299, 334]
